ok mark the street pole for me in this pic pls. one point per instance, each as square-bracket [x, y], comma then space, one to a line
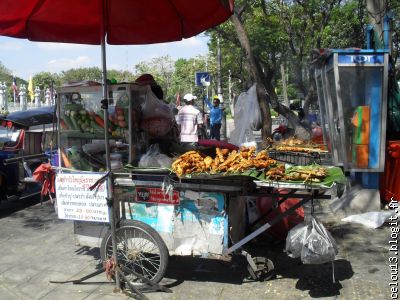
[207, 71]
[219, 91]
[285, 94]
[229, 87]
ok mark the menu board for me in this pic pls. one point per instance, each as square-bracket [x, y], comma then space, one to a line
[76, 202]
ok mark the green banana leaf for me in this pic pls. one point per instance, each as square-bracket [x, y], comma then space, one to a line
[335, 175]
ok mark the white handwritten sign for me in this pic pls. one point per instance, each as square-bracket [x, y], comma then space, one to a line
[76, 202]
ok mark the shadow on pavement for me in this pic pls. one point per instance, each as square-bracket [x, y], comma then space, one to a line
[92, 251]
[318, 279]
[11, 206]
[186, 268]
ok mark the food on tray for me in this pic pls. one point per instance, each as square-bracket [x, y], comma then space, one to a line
[297, 145]
[311, 173]
[306, 149]
[277, 173]
[225, 161]
[291, 141]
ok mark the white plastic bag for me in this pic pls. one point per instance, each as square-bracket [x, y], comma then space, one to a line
[372, 219]
[247, 117]
[254, 109]
[153, 158]
[294, 240]
[311, 242]
[318, 246]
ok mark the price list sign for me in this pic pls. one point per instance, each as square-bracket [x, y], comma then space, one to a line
[76, 202]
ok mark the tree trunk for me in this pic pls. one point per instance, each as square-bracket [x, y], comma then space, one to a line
[267, 97]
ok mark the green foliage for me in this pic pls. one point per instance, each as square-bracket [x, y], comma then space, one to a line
[274, 114]
[82, 74]
[346, 28]
[162, 69]
[44, 80]
[285, 32]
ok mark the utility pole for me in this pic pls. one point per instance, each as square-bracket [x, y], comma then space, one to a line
[284, 86]
[229, 88]
[207, 71]
[219, 92]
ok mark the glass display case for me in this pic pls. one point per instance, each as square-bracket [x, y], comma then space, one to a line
[81, 120]
[352, 92]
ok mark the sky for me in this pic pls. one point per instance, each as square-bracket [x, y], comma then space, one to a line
[25, 58]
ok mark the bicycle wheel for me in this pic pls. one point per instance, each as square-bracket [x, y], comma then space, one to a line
[139, 248]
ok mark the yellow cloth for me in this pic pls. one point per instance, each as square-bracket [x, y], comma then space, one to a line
[30, 89]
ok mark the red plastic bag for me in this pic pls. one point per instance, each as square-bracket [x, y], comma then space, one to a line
[157, 116]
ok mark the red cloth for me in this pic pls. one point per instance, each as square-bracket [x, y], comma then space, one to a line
[46, 176]
[390, 178]
[280, 229]
[219, 144]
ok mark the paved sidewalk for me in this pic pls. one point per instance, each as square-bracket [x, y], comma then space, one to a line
[37, 248]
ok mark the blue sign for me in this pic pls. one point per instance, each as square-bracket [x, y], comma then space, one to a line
[201, 77]
[367, 59]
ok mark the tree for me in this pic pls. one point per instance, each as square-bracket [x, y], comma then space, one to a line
[162, 69]
[81, 74]
[44, 80]
[284, 32]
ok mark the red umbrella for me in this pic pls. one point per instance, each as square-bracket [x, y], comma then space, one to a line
[122, 21]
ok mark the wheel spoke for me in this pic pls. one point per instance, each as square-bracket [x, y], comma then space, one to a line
[139, 251]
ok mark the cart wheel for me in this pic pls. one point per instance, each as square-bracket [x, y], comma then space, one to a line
[139, 248]
[265, 269]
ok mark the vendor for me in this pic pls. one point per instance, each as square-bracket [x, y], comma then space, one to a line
[215, 117]
[188, 120]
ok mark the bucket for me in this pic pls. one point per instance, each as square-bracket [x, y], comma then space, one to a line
[53, 156]
[280, 230]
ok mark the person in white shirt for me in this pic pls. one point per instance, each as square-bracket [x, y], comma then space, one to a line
[188, 119]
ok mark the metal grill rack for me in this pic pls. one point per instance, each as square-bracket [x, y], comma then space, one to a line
[296, 158]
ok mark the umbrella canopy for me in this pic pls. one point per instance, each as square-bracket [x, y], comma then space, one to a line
[123, 22]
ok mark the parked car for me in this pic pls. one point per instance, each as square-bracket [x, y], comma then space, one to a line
[23, 138]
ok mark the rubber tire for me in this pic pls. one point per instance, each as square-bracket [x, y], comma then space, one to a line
[276, 136]
[151, 233]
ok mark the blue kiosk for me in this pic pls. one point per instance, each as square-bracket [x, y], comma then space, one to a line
[352, 92]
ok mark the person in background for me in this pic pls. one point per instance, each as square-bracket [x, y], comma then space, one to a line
[215, 117]
[188, 119]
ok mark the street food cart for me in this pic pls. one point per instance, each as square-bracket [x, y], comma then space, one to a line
[162, 209]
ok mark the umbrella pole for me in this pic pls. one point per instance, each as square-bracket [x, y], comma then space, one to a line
[110, 178]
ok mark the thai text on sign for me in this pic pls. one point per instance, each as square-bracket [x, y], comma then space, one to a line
[76, 202]
[156, 195]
